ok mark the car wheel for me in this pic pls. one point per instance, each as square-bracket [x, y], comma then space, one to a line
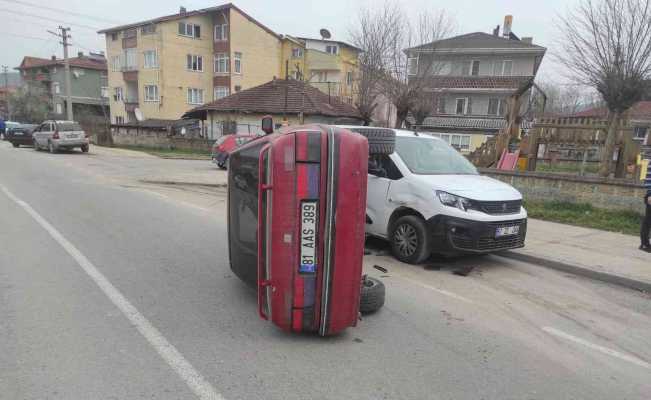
[51, 148]
[84, 148]
[36, 148]
[380, 140]
[409, 239]
[15, 144]
[372, 297]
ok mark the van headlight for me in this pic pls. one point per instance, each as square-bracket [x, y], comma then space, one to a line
[455, 201]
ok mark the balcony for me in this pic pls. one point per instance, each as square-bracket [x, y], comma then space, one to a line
[319, 60]
[130, 104]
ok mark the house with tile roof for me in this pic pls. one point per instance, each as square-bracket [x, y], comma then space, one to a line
[638, 116]
[472, 76]
[287, 101]
[88, 82]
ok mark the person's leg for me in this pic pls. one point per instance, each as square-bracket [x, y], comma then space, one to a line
[646, 225]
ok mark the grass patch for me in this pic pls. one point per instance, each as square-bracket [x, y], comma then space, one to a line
[170, 153]
[590, 168]
[586, 215]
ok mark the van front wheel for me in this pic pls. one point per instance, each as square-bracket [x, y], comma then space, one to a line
[409, 239]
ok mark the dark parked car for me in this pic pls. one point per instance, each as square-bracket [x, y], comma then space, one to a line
[20, 135]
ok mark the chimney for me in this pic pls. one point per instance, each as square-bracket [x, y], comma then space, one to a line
[54, 58]
[527, 40]
[182, 10]
[496, 31]
[508, 20]
[80, 54]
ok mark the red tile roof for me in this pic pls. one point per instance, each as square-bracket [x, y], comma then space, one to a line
[478, 82]
[77, 62]
[640, 110]
[269, 98]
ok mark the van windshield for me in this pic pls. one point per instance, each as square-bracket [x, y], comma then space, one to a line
[425, 156]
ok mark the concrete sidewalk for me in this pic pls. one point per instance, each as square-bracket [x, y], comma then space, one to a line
[606, 256]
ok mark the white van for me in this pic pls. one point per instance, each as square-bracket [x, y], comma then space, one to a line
[427, 198]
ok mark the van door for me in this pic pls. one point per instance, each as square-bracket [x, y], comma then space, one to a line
[382, 172]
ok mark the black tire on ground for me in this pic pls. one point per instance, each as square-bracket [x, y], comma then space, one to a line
[16, 144]
[409, 239]
[372, 296]
[380, 140]
[84, 148]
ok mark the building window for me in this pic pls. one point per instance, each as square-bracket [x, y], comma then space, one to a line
[189, 30]
[116, 63]
[238, 88]
[195, 96]
[349, 78]
[221, 92]
[114, 36]
[237, 62]
[59, 107]
[194, 63]
[297, 75]
[118, 94]
[150, 59]
[459, 142]
[56, 88]
[412, 65]
[496, 106]
[148, 29]
[462, 107]
[119, 119]
[441, 105]
[222, 63]
[297, 52]
[221, 32]
[503, 68]
[130, 33]
[151, 93]
[639, 132]
[130, 59]
[331, 49]
[104, 92]
[475, 67]
[321, 76]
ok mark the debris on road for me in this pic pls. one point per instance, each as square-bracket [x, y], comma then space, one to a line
[382, 269]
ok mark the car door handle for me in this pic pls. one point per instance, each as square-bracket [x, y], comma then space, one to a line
[400, 202]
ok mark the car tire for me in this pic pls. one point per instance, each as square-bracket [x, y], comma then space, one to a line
[372, 296]
[409, 240]
[16, 145]
[85, 148]
[380, 140]
[51, 148]
[223, 164]
[36, 148]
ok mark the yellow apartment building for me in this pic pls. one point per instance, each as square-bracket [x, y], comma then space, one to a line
[163, 67]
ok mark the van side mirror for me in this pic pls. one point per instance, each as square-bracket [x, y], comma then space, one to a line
[267, 124]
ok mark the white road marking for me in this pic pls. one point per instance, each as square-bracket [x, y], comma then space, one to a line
[432, 288]
[605, 350]
[195, 381]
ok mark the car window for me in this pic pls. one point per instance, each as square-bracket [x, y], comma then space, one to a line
[427, 156]
[243, 211]
[383, 166]
[69, 126]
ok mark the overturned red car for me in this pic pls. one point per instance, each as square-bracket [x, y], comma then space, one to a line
[296, 214]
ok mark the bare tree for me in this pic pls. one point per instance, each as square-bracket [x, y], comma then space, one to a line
[387, 33]
[560, 99]
[607, 45]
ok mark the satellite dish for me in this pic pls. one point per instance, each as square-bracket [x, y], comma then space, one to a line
[139, 115]
[325, 34]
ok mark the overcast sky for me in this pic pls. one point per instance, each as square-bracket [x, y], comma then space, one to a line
[23, 32]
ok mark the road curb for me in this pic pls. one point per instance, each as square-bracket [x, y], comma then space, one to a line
[182, 183]
[581, 271]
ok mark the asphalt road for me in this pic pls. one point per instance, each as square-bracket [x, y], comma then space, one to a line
[113, 289]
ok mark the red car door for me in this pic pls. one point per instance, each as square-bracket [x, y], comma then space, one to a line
[309, 241]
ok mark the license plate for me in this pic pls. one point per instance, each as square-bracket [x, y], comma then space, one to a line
[71, 136]
[507, 231]
[309, 210]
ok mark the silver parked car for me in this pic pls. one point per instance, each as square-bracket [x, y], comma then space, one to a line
[58, 135]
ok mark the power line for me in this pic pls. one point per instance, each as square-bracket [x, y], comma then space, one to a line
[92, 28]
[25, 36]
[39, 6]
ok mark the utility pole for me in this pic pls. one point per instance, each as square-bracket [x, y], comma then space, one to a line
[64, 36]
[5, 70]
